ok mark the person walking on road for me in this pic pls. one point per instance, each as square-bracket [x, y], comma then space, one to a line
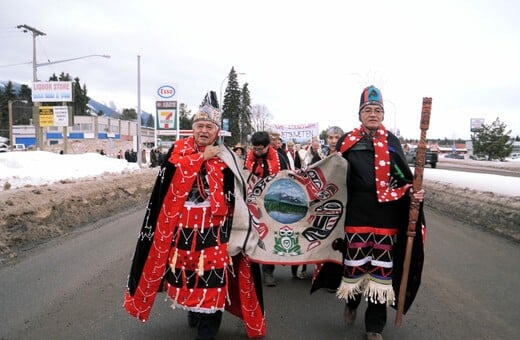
[379, 195]
[183, 244]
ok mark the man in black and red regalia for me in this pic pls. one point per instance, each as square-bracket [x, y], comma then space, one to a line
[183, 246]
[379, 193]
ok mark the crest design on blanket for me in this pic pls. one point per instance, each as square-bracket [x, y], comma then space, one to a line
[297, 214]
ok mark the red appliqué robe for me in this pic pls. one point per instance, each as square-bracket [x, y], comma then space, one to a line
[182, 246]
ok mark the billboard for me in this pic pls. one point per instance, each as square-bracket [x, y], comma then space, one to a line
[299, 133]
[52, 91]
[54, 116]
[476, 124]
[166, 115]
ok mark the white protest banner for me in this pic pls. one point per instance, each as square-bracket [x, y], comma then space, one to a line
[299, 133]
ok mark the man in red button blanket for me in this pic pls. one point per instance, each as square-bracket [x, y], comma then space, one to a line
[379, 192]
[182, 249]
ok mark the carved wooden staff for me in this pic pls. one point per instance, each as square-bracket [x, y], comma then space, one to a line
[414, 205]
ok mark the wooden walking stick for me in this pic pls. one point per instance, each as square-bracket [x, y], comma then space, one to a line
[414, 206]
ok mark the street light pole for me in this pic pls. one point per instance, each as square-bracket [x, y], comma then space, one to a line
[395, 116]
[138, 137]
[10, 111]
[35, 65]
[36, 118]
[71, 59]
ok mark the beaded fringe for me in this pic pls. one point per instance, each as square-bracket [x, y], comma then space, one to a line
[376, 292]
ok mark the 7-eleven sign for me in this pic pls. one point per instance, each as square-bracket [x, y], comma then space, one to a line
[166, 115]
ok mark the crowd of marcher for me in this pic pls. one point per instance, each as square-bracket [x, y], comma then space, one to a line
[196, 201]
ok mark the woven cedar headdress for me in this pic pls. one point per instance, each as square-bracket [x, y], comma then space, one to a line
[209, 110]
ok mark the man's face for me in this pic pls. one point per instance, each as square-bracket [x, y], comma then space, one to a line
[260, 150]
[332, 140]
[205, 133]
[371, 116]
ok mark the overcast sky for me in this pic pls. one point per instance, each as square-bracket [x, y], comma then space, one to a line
[306, 61]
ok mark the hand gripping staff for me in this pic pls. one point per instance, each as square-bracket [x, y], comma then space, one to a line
[414, 205]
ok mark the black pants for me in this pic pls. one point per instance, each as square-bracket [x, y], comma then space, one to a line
[375, 315]
[268, 268]
[207, 325]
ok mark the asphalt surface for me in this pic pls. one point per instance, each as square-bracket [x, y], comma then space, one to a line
[72, 288]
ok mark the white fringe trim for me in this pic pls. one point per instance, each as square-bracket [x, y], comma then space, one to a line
[375, 291]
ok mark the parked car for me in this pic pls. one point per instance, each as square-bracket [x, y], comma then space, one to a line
[4, 147]
[431, 157]
[19, 147]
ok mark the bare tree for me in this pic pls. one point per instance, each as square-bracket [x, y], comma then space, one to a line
[260, 117]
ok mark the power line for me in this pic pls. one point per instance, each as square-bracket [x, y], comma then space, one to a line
[9, 65]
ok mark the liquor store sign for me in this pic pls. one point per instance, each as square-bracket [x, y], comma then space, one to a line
[52, 91]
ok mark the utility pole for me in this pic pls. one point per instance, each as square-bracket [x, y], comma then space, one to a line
[138, 137]
[36, 113]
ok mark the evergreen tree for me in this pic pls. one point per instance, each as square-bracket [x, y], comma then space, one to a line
[492, 141]
[231, 108]
[5, 96]
[25, 93]
[80, 98]
[185, 119]
[129, 114]
[150, 122]
[245, 115]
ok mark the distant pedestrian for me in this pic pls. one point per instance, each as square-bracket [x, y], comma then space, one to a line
[334, 133]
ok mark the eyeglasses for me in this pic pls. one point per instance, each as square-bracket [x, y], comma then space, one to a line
[369, 110]
[258, 148]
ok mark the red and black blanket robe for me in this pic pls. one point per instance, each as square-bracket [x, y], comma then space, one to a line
[376, 216]
[187, 255]
[269, 164]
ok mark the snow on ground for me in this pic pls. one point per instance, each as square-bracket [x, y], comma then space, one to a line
[35, 168]
[501, 185]
[39, 167]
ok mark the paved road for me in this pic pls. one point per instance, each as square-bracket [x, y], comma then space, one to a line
[72, 288]
[482, 167]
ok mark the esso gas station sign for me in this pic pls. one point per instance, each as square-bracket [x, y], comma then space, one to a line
[166, 91]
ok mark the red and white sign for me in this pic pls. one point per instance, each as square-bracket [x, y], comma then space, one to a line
[166, 92]
[166, 114]
[52, 91]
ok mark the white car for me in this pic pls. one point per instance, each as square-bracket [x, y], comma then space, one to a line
[19, 147]
[4, 147]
